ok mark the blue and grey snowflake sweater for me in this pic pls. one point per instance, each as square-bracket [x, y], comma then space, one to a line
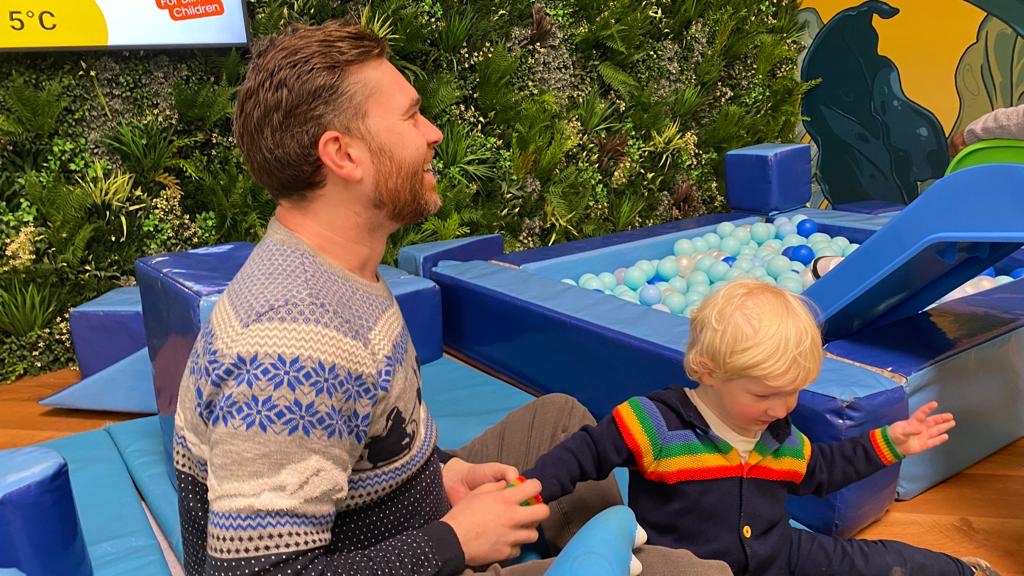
[301, 443]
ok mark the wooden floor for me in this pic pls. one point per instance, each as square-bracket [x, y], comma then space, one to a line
[979, 512]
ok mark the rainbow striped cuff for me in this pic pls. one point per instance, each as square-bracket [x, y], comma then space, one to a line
[884, 447]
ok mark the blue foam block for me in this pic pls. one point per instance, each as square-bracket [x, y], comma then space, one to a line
[768, 178]
[117, 531]
[465, 402]
[126, 386]
[420, 259]
[139, 442]
[107, 329]
[39, 528]
[419, 300]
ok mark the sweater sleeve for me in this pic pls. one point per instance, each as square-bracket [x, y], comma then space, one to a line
[1000, 123]
[834, 466]
[589, 454]
[283, 431]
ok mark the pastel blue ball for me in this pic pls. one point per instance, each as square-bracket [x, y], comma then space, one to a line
[793, 240]
[797, 266]
[780, 220]
[826, 250]
[630, 297]
[801, 253]
[741, 234]
[693, 299]
[569, 281]
[650, 295]
[849, 249]
[774, 244]
[797, 219]
[608, 279]
[585, 277]
[649, 269]
[668, 268]
[697, 278]
[725, 229]
[634, 277]
[663, 286]
[621, 289]
[818, 237]
[734, 274]
[730, 246]
[747, 251]
[700, 289]
[689, 311]
[730, 260]
[661, 308]
[675, 302]
[678, 284]
[699, 245]
[777, 265]
[784, 229]
[842, 241]
[683, 247]
[806, 227]
[1017, 273]
[761, 232]
[712, 239]
[743, 265]
[593, 283]
[791, 284]
[1000, 280]
[717, 271]
[704, 262]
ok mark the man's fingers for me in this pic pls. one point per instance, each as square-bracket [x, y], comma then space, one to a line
[524, 491]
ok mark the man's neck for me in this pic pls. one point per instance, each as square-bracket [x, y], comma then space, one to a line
[346, 239]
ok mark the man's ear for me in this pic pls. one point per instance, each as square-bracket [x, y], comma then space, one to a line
[342, 155]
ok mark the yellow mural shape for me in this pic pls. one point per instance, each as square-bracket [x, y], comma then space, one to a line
[44, 24]
[925, 41]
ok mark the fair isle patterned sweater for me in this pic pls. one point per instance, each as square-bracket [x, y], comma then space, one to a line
[301, 443]
[690, 488]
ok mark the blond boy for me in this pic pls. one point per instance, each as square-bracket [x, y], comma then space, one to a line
[711, 467]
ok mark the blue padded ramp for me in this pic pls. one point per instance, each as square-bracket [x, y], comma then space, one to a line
[140, 443]
[420, 259]
[117, 531]
[126, 386]
[926, 251]
[465, 402]
[107, 329]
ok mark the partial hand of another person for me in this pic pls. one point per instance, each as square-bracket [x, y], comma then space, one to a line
[957, 142]
[461, 477]
[491, 524]
[921, 431]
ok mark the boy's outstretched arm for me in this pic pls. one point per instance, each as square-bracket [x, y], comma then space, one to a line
[921, 431]
[589, 454]
[833, 466]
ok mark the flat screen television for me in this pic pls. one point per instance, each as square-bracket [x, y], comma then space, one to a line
[121, 24]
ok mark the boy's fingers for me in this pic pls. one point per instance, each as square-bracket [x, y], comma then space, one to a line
[941, 439]
[941, 428]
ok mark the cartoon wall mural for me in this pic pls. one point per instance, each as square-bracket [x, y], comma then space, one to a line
[895, 80]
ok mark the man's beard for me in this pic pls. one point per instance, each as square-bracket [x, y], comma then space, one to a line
[401, 191]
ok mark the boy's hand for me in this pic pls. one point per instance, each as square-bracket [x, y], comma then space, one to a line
[461, 477]
[921, 431]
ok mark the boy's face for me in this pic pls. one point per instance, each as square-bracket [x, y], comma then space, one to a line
[748, 405]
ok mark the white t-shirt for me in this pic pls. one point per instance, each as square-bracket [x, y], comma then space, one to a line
[743, 444]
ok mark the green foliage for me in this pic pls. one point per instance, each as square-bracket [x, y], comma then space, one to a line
[26, 308]
[562, 119]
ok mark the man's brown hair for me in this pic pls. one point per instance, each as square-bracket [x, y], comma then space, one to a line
[297, 87]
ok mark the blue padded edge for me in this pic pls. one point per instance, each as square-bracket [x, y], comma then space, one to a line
[127, 386]
[984, 389]
[614, 239]
[106, 329]
[827, 419]
[609, 258]
[140, 443]
[420, 259]
[419, 300]
[464, 401]
[912, 344]
[843, 219]
[870, 207]
[117, 531]
[501, 317]
[768, 178]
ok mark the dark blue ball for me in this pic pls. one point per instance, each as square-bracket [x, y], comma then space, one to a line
[1017, 273]
[730, 260]
[788, 252]
[990, 271]
[806, 227]
[802, 253]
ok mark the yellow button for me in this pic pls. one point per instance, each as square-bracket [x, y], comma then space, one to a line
[746, 531]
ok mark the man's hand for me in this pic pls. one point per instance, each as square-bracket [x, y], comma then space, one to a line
[491, 524]
[461, 477]
[957, 142]
[921, 431]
